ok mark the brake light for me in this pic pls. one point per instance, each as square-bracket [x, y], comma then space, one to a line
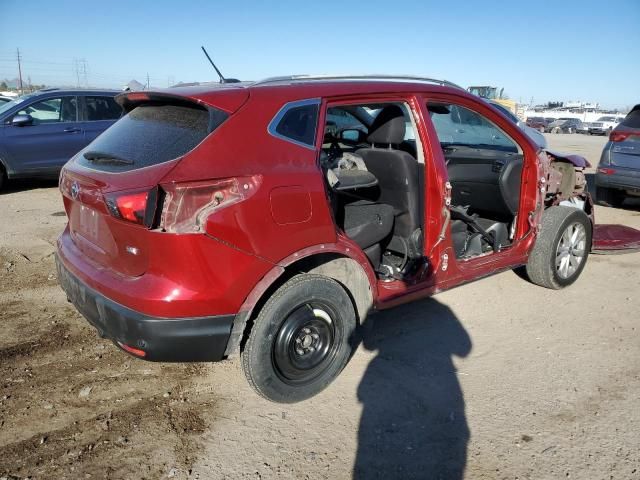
[137, 207]
[188, 205]
[137, 96]
[619, 136]
[132, 350]
[606, 171]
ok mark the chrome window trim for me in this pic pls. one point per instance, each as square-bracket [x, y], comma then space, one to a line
[273, 125]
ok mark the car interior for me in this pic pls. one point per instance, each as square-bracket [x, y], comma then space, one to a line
[485, 170]
[375, 171]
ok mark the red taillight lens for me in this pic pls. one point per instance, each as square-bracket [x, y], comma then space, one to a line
[137, 207]
[618, 136]
[132, 350]
[187, 205]
[606, 171]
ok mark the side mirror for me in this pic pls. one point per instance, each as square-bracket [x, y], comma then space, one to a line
[353, 135]
[22, 120]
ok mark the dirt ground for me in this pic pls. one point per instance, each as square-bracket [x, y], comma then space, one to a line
[498, 379]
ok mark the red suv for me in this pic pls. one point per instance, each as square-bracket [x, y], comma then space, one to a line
[214, 220]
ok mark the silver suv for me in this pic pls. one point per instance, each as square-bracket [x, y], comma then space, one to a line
[618, 174]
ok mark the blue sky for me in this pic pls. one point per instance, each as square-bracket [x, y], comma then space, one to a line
[549, 50]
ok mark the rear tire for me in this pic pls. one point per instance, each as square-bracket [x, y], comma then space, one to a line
[609, 197]
[3, 178]
[300, 340]
[561, 249]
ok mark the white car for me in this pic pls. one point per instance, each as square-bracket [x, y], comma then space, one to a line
[604, 125]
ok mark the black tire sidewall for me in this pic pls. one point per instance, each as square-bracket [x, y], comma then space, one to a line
[576, 216]
[257, 357]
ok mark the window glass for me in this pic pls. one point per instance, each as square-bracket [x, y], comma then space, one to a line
[632, 119]
[102, 108]
[457, 125]
[299, 124]
[52, 110]
[149, 135]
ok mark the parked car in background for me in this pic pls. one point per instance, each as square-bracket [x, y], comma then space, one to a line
[214, 221]
[39, 132]
[533, 133]
[539, 123]
[583, 128]
[618, 173]
[564, 125]
[604, 125]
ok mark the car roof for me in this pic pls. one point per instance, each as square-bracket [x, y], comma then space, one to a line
[75, 91]
[298, 87]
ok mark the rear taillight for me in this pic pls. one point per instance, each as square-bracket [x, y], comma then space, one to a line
[606, 171]
[188, 205]
[133, 206]
[619, 136]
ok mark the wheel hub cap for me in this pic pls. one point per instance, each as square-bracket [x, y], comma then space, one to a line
[571, 250]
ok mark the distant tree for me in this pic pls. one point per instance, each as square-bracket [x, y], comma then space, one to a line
[4, 86]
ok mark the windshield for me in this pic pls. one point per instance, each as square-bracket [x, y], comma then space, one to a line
[607, 119]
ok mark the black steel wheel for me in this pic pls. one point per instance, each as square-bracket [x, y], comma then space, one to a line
[301, 339]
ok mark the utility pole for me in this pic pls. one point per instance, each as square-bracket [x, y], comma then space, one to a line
[147, 80]
[83, 63]
[76, 69]
[19, 70]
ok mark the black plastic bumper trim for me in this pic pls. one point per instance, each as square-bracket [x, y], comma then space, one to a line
[199, 339]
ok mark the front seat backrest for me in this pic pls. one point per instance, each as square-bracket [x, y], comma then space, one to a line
[510, 182]
[396, 171]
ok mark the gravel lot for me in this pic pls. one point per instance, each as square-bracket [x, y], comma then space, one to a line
[498, 379]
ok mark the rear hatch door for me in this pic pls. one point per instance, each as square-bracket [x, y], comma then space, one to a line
[110, 188]
[625, 142]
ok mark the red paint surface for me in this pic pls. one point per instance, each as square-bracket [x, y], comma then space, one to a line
[616, 238]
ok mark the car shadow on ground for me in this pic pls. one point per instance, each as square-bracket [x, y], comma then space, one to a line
[630, 203]
[20, 185]
[413, 422]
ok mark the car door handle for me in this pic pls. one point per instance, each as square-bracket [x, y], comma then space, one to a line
[71, 130]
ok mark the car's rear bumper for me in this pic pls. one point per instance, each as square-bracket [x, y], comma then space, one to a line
[623, 179]
[196, 339]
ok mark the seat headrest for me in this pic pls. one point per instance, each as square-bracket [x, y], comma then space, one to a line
[388, 127]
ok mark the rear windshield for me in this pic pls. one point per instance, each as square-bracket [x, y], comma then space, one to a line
[149, 135]
[633, 119]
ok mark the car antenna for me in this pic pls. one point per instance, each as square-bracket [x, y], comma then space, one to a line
[222, 79]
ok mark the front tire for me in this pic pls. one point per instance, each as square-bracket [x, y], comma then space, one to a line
[561, 249]
[300, 340]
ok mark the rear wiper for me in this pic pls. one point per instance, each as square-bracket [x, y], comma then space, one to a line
[101, 157]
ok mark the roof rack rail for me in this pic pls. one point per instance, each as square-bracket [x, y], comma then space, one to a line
[305, 78]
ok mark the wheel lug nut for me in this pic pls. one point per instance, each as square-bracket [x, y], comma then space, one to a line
[298, 341]
[306, 330]
[299, 351]
[315, 336]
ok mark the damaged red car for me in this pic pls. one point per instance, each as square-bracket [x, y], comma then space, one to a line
[218, 220]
